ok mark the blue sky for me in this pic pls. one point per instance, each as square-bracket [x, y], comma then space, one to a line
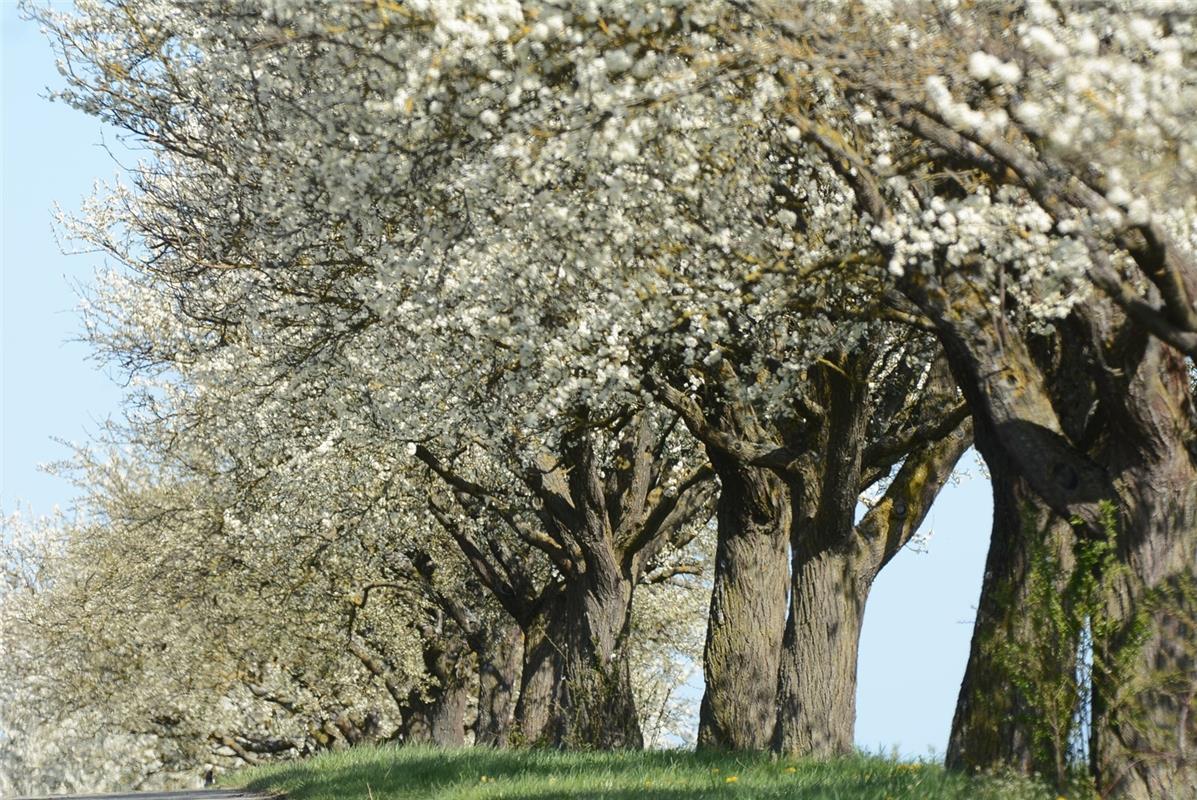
[52, 154]
[918, 623]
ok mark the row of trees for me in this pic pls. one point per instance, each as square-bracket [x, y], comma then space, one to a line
[457, 330]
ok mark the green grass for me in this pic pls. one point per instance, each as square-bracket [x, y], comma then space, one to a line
[420, 773]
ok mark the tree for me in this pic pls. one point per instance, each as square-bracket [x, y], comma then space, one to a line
[327, 185]
[1037, 132]
[871, 407]
[145, 644]
[609, 515]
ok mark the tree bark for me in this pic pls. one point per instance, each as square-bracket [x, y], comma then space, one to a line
[747, 612]
[834, 565]
[438, 720]
[437, 715]
[817, 682]
[816, 685]
[541, 674]
[994, 726]
[499, 657]
[599, 709]
[1144, 726]
[575, 691]
[747, 617]
[1140, 466]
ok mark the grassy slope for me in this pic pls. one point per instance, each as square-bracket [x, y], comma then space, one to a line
[418, 773]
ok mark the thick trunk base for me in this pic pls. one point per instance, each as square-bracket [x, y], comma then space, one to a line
[748, 610]
[996, 725]
[438, 719]
[817, 683]
[498, 676]
[575, 690]
[1144, 741]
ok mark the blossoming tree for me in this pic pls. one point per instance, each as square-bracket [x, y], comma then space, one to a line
[1051, 247]
[505, 234]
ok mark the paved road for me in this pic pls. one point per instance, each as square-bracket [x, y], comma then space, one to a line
[194, 794]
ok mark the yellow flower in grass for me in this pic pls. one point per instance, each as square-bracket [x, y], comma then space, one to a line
[791, 770]
[731, 779]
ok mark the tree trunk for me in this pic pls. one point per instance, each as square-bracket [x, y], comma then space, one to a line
[499, 659]
[1140, 476]
[834, 563]
[1144, 732]
[540, 676]
[748, 608]
[1145, 722]
[817, 684]
[575, 690]
[995, 726]
[437, 715]
[439, 720]
[599, 709]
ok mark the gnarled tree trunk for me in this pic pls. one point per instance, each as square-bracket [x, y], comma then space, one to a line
[994, 725]
[598, 709]
[439, 719]
[437, 714]
[575, 690]
[817, 683]
[816, 687]
[747, 617]
[1142, 469]
[499, 655]
[1145, 722]
[834, 565]
[541, 674]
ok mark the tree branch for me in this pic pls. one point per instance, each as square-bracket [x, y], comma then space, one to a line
[884, 453]
[732, 447]
[889, 524]
[498, 584]
[670, 511]
[538, 539]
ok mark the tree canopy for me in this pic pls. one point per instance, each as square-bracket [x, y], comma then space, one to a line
[510, 299]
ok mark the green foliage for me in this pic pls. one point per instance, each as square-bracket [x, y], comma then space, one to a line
[1147, 706]
[1083, 672]
[398, 773]
[1064, 614]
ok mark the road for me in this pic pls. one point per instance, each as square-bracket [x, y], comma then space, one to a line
[194, 794]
